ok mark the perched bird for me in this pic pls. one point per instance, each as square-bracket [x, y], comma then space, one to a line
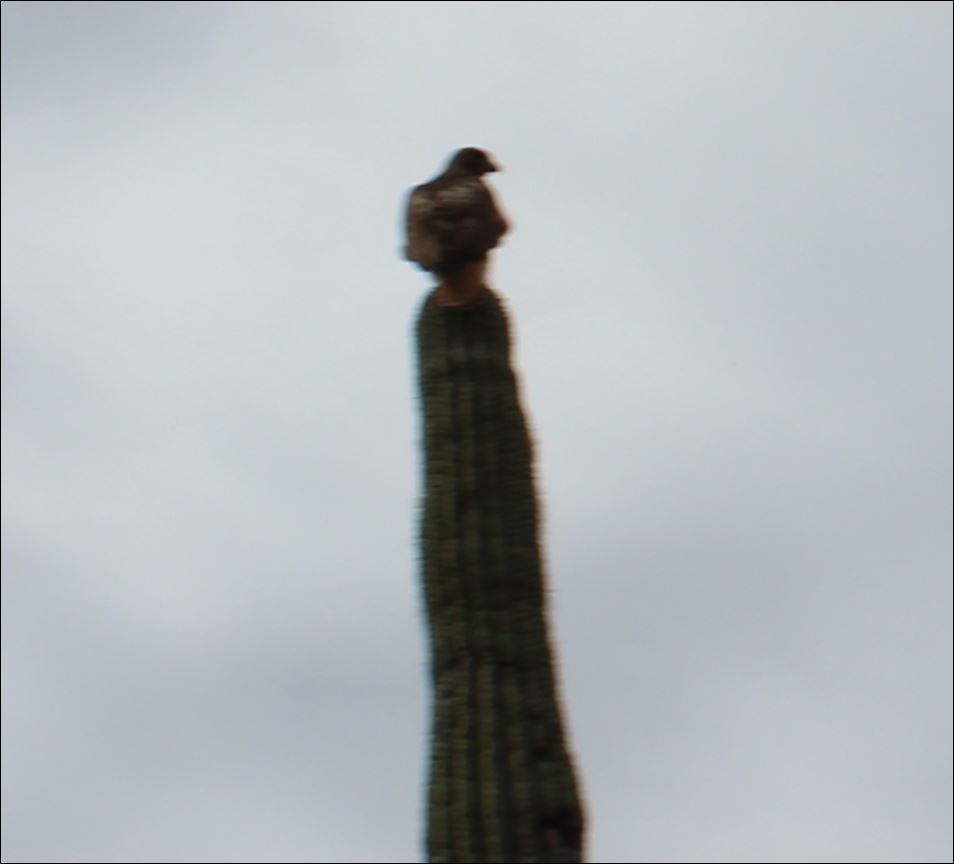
[452, 223]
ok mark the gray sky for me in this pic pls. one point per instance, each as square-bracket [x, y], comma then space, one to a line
[730, 277]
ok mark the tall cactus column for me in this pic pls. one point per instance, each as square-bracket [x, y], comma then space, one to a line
[501, 785]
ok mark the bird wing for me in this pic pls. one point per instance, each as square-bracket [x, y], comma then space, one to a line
[451, 222]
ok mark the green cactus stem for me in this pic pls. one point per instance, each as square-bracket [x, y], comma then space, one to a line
[501, 781]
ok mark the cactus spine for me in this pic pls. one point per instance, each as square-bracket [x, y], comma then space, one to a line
[501, 785]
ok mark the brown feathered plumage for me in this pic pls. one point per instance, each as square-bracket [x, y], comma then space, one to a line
[453, 221]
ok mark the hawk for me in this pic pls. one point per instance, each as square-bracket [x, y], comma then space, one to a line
[452, 223]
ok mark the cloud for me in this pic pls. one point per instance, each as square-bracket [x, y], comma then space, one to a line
[729, 283]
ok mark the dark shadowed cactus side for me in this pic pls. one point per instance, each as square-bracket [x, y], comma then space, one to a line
[501, 781]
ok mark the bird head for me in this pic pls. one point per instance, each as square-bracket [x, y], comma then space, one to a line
[471, 161]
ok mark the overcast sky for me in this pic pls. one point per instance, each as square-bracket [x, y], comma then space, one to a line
[730, 279]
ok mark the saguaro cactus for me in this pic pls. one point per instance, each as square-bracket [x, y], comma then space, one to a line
[501, 781]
